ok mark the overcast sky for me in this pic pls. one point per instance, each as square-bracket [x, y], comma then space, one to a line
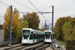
[61, 8]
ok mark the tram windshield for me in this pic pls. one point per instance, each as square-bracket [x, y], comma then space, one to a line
[26, 33]
[47, 34]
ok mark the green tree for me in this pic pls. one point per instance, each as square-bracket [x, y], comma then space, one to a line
[67, 30]
[73, 33]
[33, 20]
[69, 35]
[58, 27]
[23, 24]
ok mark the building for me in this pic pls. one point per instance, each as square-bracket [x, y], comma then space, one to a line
[46, 26]
[1, 33]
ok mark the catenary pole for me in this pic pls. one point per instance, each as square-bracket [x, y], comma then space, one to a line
[52, 23]
[10, 25]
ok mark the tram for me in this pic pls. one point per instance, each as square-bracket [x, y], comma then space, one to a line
[48, 36]
[31, 36]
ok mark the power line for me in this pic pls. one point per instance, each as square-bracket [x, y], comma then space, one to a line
[4, 3]
[36, 8]
[33, 5]
[23, 5]
[20, 11]
[43, 16]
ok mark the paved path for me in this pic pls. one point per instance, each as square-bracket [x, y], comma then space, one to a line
[49, 48]
[58, 43]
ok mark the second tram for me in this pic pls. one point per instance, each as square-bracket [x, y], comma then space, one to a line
[48, 36]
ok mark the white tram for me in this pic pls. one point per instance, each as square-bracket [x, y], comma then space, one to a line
[48, 36]
[30, 36]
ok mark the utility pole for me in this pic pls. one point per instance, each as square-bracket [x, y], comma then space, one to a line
[52, 23]
[10, 25]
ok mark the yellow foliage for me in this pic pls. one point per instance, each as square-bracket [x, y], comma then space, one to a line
[15, 20]
[42, 29]
[7, 19]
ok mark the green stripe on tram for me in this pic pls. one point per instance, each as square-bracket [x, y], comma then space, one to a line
[33, 39]
[36, 39]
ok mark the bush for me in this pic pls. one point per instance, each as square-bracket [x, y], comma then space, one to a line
[70, 45]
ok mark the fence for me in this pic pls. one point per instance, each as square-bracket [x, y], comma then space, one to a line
[6, 42]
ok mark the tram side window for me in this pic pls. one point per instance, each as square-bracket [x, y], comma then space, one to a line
[32, 35]
[35, 36]
[40, 36]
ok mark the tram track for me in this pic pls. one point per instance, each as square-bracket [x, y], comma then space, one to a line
[16, 47]
[24, 47]
[33, 46]
[43, 47]
[13, 46]
[38, 47]
[19, 48]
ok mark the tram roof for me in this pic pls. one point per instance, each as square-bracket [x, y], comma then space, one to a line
[40, 32]
[48, 31]
[27, 29]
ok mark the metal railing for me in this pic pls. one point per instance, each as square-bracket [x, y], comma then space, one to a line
[6, 42]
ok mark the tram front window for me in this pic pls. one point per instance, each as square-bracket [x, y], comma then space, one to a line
[47, 34]
[26, 34]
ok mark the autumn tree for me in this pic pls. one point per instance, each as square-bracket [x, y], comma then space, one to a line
[15, 22]
[23, 24]
[7, 22]
[42, 29]
[73, 33]
[69, 35]
[33, 20]
[58, 27]
[67, 30]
